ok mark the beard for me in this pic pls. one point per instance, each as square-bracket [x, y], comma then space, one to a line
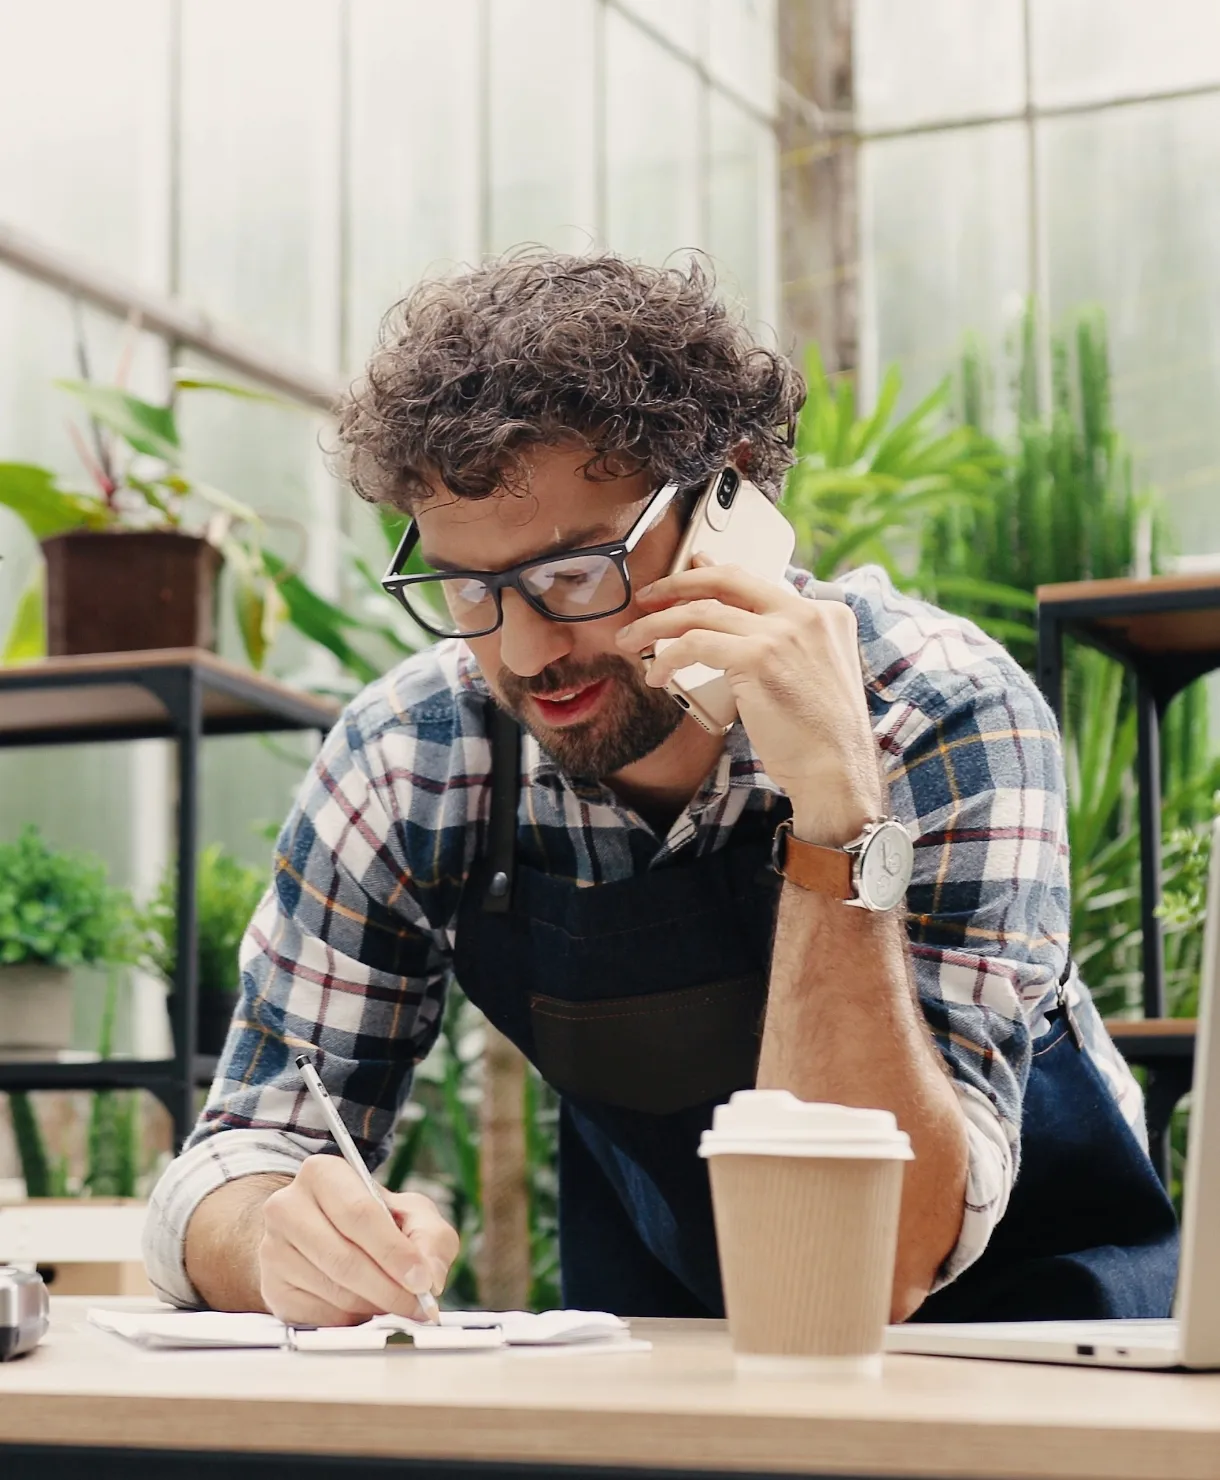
[632, 721]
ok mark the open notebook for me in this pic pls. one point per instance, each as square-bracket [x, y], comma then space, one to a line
[464, 1330]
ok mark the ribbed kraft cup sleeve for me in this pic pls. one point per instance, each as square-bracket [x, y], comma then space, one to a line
[807, 1248]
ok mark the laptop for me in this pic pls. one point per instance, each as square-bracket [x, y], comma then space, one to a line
[1192, 1338]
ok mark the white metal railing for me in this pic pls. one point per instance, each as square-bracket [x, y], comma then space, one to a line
[161, 314]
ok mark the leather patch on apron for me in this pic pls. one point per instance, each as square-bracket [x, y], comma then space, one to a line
[658, 1053]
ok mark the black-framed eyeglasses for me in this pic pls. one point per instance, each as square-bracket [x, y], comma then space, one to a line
[577, 586]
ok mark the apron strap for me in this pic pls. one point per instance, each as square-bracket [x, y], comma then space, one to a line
[502, 825]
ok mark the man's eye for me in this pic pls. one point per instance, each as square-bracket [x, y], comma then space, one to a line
[470, 593]
[568, 574]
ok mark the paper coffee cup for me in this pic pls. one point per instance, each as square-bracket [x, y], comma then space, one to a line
[806, 1200]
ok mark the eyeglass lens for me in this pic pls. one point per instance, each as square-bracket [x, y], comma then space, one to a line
[576, 586]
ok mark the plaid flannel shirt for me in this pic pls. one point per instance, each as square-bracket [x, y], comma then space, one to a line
[350, 948]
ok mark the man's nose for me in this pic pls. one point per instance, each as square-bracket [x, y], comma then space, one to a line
[528, 640]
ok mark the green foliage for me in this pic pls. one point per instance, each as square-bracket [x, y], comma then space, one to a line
[58, 909]
[113, 1146]
[860, 486]
[145, 428]
[46, 509]
[1103, 825]
[227, 893]
[31, 1149]
[135, 467]
[27, 638]
[1061, 506]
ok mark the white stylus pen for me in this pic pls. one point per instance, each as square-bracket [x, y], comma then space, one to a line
[427, 1301]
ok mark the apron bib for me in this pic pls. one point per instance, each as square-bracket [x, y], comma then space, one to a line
[641, 1002]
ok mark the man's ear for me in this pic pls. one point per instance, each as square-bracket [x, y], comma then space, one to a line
[741, 455]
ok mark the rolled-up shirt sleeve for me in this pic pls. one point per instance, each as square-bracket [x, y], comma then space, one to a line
[341, 962]
[980, 784]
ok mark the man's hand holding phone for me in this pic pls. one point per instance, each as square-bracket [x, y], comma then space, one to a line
[330, 1257]
[793, 665]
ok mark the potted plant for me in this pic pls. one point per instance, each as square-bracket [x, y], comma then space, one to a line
[227, 893]
[133, 562]
[57, 911]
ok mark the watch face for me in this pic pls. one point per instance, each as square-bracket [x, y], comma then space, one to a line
[885, 866]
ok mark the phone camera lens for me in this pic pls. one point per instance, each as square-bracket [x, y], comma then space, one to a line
[726, 489]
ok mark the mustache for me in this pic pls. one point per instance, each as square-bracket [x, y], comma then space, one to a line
[559, 676]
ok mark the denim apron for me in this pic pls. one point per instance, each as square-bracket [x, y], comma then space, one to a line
[641, 1002]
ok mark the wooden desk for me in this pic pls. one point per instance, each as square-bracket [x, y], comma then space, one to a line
[87, 1404]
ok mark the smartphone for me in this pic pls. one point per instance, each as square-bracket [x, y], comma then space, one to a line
[736, 524]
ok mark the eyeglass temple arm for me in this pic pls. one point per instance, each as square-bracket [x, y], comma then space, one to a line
[661, 501]
[399, 558]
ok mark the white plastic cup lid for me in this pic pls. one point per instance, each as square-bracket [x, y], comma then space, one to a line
[773, 1122]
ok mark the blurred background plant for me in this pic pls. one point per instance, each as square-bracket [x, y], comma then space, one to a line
[227, 893]
[131, 452]
[58, 909]
[132, 455]
[863, 487]
[369, 632]
[975, 521]
[1063, 505]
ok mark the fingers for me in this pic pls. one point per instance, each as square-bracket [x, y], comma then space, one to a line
[432, 1235]
[674, 621]
[727, 583]
[346, 1274]
[716, 649]
[365, 1223]
[299, 1308]
[327, 1245]
[296, 1290]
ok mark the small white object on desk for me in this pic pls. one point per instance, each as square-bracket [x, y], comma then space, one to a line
[464, 1330]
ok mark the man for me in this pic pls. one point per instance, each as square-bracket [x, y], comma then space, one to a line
[610, 903]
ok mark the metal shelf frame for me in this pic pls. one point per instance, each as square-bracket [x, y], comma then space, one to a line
[1134, 622]
[199, 696]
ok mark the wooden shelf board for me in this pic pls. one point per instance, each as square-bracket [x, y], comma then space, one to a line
[1190, 626]
[33, 703]
[1151, 1027]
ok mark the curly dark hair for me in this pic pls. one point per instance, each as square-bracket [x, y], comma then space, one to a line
[645, 366]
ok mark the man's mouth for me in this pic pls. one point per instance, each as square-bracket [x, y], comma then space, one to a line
[569, 706]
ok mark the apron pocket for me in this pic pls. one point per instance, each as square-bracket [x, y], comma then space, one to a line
[658, 1053]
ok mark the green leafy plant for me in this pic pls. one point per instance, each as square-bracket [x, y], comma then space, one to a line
[368, 632]
[862, 486]
[135, 466]
[57, 908]
[227, 893]
[1063, 505]
[1103, 826]
[113, 1143]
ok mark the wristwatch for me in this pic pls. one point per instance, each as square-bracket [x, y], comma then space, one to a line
[871, 872]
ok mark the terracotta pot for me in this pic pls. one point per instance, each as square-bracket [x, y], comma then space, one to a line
[122, 590]
[35, 1007]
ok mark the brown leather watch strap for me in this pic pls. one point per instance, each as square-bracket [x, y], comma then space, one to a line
[808, 866]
